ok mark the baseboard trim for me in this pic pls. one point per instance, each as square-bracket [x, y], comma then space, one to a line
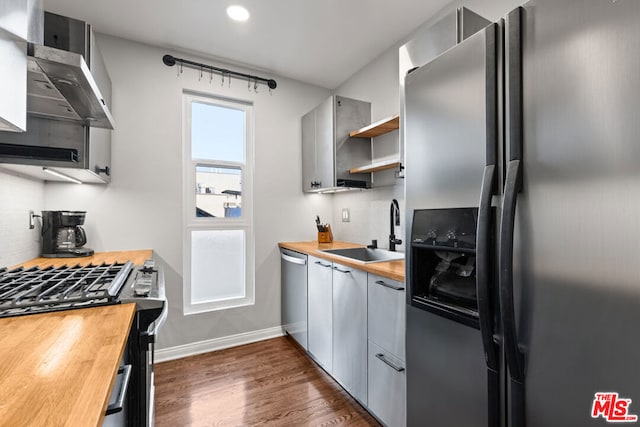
[191, 349]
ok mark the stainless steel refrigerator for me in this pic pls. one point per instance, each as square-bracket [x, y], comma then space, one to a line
[523, 207]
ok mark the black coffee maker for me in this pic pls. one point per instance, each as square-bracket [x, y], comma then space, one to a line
[62, 234]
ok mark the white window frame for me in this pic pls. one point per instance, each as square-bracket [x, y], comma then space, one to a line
[192, 223]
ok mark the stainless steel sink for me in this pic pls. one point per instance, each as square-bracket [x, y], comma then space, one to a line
[366, 255]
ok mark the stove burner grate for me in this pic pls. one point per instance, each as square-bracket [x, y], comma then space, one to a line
[34, 290]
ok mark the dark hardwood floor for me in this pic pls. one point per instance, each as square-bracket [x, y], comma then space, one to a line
[265, 383]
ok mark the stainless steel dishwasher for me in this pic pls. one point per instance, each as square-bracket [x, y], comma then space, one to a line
[294, 295]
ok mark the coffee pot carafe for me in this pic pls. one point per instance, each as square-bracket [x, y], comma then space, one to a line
[62, 234]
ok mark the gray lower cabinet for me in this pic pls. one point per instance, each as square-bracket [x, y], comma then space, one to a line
[386, 350]
[350, 330]
[386, 313]
[355, 331]
[387, 386]
[320, 318]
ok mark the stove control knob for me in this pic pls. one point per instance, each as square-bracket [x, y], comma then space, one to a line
[142, 286]
[149, 266]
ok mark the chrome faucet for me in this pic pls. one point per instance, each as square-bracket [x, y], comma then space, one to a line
[395, 211]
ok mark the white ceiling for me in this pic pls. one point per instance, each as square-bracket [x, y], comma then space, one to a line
[322, 42]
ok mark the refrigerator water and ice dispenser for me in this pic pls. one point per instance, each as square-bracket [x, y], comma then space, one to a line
[443, 270]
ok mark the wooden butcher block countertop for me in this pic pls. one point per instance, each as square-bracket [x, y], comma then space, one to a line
[58, 369]
[390, 269]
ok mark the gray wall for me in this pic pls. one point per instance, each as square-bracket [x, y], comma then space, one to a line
[142, 207]
[376, 83]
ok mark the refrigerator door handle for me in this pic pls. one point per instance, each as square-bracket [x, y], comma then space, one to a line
[485, 227]
[483, 280]
[484, 247]
[514, 356]
[513, 183]
[483, 267]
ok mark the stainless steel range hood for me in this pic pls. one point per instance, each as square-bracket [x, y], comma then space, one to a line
[67, 79]
[68, 125]
[60, 86]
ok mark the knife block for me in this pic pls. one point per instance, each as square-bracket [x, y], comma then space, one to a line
[325, 236]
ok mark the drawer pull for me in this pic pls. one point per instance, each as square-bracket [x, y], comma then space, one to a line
[341, 271]
[386, 285]
[323, 265]
[397, 368]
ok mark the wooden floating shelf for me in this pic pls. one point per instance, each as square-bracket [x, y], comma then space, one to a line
[378, 128]
[376, 167]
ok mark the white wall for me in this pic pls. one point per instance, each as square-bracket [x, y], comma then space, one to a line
[142, 207]
[377, 83]
[19, 195]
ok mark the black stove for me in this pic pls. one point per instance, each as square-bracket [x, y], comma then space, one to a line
[39, 290]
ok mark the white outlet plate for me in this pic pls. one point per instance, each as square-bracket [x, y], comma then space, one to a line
[345, 215]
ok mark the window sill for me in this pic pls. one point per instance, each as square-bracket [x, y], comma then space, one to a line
[206, 307]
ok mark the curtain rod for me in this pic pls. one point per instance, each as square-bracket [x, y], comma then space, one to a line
[170, 61]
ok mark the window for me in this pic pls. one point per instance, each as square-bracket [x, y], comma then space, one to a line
[218, 177]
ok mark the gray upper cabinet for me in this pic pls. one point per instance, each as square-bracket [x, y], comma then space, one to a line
[76, 151]
[20, 22]
[324, 148]
[327, 151]
[13, 84]
[317, 151]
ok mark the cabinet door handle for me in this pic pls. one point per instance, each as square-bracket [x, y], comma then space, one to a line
[341, 271]
[397, 368]
[105, 170]
[323, 265]
[386, 285]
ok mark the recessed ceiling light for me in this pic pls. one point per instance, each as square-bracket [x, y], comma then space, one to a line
[238, 13]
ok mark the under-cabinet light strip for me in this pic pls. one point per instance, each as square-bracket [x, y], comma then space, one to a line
[61, 175]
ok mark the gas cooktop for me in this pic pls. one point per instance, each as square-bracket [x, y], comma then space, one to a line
[35, 290]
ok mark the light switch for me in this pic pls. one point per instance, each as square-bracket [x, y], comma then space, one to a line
[345, 215]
